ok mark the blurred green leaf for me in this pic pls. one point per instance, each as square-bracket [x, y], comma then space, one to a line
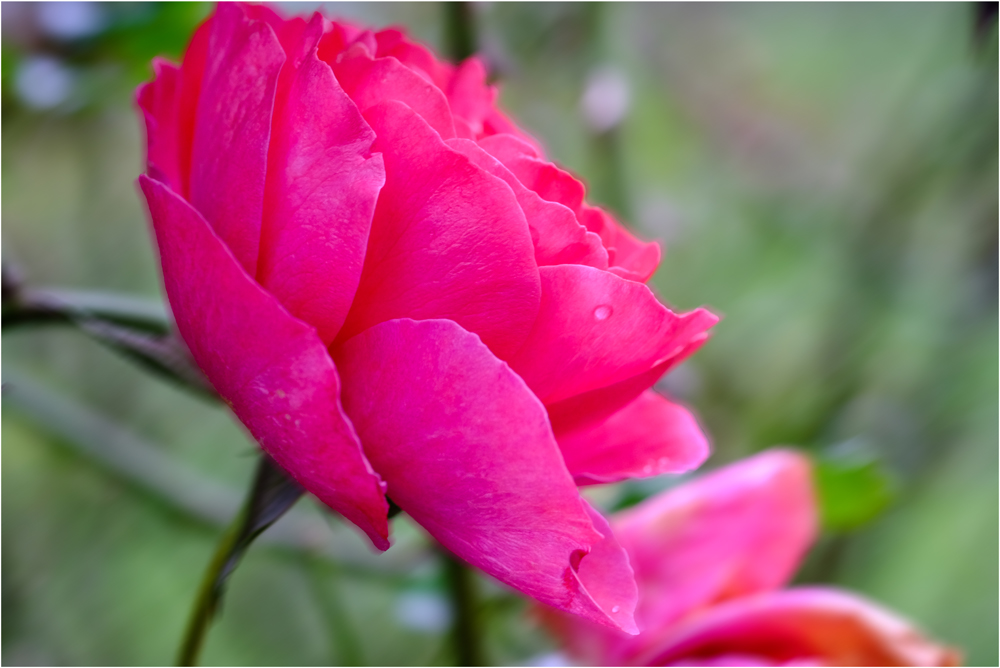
[852, 492]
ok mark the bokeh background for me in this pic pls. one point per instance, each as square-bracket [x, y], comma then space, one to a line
[823, 176]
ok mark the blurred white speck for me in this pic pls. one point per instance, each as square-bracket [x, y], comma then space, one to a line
[423, 611]
[605, 99]
[70, 20]
[43, 82]
[555, 659]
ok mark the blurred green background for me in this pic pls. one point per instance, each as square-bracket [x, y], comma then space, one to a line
[823, 176]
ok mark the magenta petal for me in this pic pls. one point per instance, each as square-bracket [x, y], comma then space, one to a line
[448, 241]
[595, 330]
[607, 576]
[804, 626]
[469, 96]
[229, 155]
[740, 530]
[648, 437]
[631, 258]
[557, 236]
[369, 81]
[270, 367]
[467, 451]
[322, 186]
[393, 42]
[158, 102]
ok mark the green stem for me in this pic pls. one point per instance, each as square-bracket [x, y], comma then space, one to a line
[466, 629]
[460, 30]
[270, 497]
[209, 594]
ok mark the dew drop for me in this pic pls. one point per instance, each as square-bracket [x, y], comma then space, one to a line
[616, 609]
[602, 312]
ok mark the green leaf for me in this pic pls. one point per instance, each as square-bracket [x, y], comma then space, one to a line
[852, 491]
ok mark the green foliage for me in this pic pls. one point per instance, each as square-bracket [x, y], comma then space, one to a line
[851, 492]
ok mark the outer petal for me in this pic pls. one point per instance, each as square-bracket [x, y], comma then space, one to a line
[169, 104]
[816, 626]
[740, 530]
[557, 236]
[229, 155]
[648, 437]
[158, 102]
[595, 330]
[322, 186]
[448, 241]
[270, 367]
[467, 451]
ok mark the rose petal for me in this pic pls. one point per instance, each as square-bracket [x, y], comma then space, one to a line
[650, 436]
[188, 96]
[392, 42]
[608, 577]
[595, 330]
[557, 236]
[370, 81]
[740, 530]
[448, 241]
[469, 96]
[270, 368]
[229, 155]
[322, 186]
[808, 625]
[158, 102]
[169, 104]
[630, 258]
[509, 147]
[550, 182]
[467, 451]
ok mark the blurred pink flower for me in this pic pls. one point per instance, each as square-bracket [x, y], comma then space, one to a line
[396, 292]
[710, 558]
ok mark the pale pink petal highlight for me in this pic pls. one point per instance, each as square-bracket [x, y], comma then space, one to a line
[803, 626]
[740, 530]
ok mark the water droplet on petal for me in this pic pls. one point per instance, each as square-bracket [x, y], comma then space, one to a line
[616, 608]
[602, 312]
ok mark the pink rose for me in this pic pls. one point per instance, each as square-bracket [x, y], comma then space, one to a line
[396, 293]
[710, 558]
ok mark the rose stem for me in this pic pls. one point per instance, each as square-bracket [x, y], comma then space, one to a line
[271, 495]
[465, 630]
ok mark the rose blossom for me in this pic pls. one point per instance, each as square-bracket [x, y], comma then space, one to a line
[396, 293]
[710, 558]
